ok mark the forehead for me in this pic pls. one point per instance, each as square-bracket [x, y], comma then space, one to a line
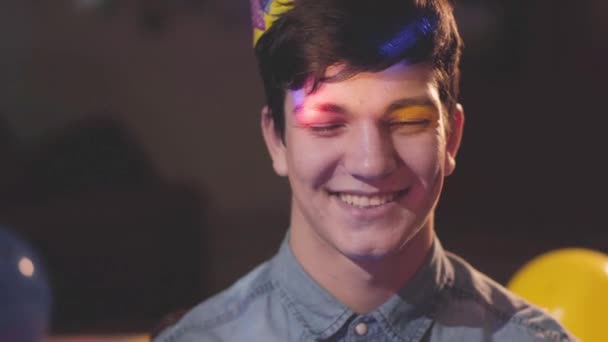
[370, 91]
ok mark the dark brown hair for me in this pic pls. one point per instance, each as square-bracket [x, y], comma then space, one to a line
[364, 35]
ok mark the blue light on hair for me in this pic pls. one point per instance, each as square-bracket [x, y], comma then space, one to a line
[407, 37]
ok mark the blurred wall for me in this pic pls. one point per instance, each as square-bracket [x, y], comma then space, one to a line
[178, 88]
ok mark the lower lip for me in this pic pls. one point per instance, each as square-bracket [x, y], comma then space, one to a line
[370, 212]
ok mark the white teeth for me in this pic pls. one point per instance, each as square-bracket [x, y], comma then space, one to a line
[366, 201]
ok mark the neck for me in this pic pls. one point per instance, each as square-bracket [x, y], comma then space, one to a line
[370, 283]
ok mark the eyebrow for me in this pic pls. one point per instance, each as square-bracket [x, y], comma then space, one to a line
[410, 102]
[324, 107]
[328, 107]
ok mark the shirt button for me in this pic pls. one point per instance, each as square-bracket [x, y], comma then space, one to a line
[361, 329]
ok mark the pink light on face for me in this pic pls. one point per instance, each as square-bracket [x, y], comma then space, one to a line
[318, 115]
[315, 113]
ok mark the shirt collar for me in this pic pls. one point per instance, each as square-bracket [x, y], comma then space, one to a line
[405, 313]
[409, 311]
[317, 309]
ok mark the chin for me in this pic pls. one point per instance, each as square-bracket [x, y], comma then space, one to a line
[377, 244]
[368, 256]
[372, 249]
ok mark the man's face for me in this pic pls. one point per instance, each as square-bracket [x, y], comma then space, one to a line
[366, 158]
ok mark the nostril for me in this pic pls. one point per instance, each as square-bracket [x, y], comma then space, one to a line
[372, 167]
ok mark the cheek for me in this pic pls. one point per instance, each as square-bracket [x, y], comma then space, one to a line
[311, 163]
[423, 155]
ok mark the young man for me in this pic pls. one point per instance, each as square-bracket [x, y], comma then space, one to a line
[362, 118]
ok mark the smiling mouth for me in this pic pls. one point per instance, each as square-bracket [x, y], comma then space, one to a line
[367, 201]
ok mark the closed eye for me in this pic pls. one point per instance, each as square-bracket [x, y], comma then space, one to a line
[325, 130]
[410, 122]
[408, 127]
[413, 119]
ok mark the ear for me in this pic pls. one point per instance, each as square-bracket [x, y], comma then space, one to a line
[274, 143]
[453, 139]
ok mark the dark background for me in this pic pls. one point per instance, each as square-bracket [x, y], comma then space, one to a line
[131, 156]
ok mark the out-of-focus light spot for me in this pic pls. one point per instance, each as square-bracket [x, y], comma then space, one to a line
[26, 267]
[606, 268]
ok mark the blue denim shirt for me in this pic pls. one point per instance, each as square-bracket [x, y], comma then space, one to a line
[447, 300]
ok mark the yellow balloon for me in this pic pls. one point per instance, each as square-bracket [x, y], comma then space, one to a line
[572, 285]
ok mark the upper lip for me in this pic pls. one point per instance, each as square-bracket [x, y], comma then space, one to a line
[365, 193]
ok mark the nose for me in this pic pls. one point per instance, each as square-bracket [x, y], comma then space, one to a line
[371, 154]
